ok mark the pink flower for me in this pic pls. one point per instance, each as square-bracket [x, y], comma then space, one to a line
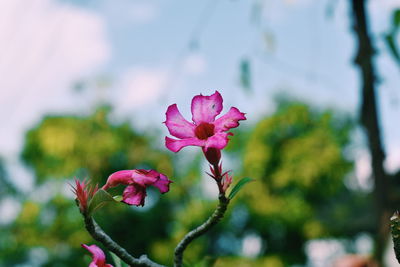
[137, 181]
[99, 259]
[83, 192]
[205, 131]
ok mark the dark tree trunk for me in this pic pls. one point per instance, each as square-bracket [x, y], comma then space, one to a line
[369, 120]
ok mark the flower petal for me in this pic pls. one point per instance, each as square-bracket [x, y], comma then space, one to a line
[163, 183]
[218, 140]
[134, 195]
[145, 177]
[119, 177]
[177, 125]
[99, 259]
[176, 145]
[229, 120]
[206, 108]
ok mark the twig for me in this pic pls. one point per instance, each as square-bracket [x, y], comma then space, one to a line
[217, 215]
[97, 233]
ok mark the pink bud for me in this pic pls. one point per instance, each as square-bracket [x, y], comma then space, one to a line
[213, 155]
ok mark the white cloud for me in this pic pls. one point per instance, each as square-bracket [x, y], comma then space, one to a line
[140, 86]
[194, 64]
[277, 11]
[45, 46]
[144, 12]
[128, 11]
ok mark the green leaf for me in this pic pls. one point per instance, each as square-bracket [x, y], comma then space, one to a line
[116, 259]
[391, 37]
[118, 198]
[100, 198]
[396, 18]
[239, 186]
[391, 44]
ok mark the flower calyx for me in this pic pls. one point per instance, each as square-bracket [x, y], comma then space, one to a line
[84, 192]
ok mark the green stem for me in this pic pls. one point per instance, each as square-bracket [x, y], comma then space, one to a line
[98, 234]
[217, 215]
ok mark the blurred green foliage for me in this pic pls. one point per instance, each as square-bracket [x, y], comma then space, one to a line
[68, 146]
[296, 155]
[6, 186]
[62, 147]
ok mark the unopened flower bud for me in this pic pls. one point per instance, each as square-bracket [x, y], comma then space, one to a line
[213, 155]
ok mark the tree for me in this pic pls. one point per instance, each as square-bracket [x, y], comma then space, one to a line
[385, 188]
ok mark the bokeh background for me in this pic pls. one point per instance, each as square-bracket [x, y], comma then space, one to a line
[84, 86]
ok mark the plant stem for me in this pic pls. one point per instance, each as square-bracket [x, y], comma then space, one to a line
[217, 215]
[98, 234]
[218, 179]
[395, 227]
